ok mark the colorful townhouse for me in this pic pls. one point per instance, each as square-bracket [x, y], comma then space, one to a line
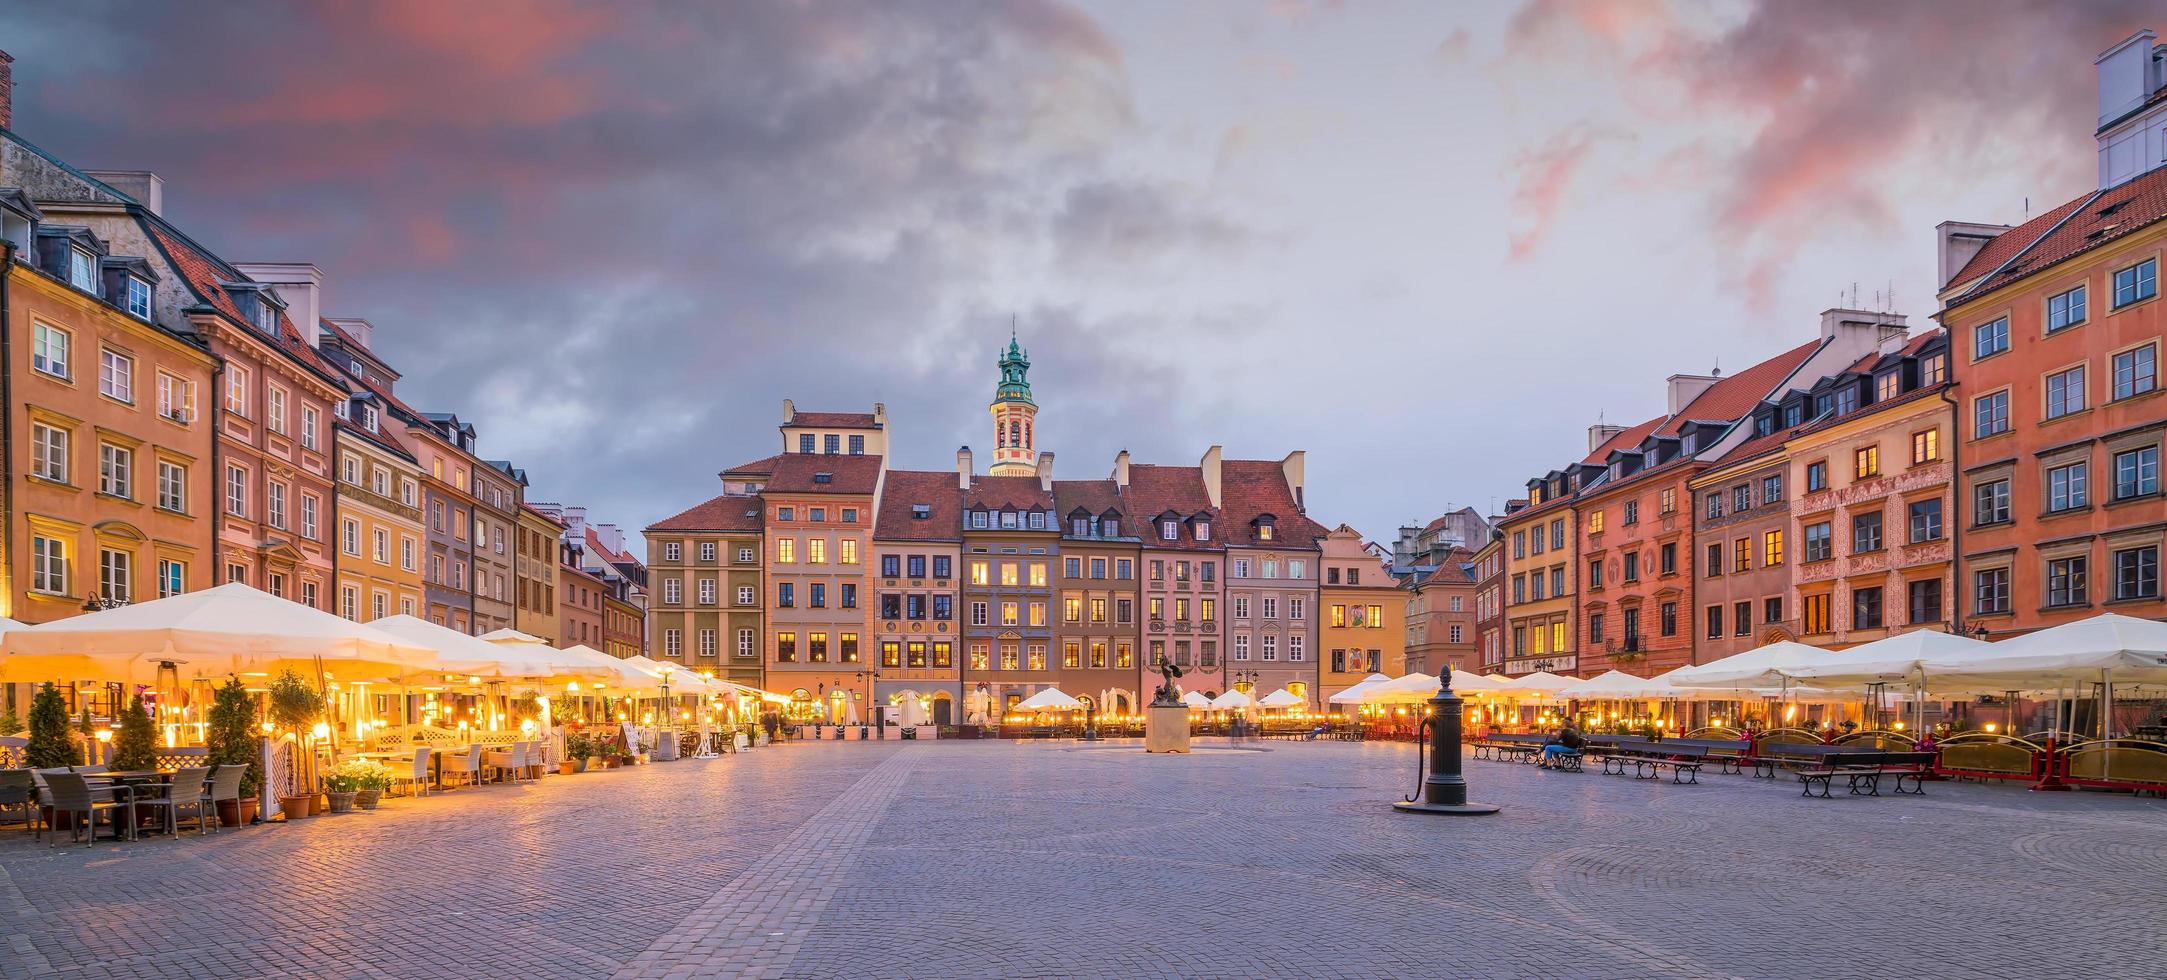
[1011, 541]
[1098, 626]
[1361, 615]
[2055, 329]
[917, 625]
[704, 567]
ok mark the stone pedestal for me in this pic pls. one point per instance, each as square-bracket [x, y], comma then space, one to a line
[1166, 729]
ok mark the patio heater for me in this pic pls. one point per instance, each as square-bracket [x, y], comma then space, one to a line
[1444, 790]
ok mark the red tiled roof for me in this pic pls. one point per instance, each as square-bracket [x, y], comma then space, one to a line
[382, 436]
[719, 514]
[1757, 446]
[799, 472]
[1451, 571]
[2049, 238]
[1092, 496]
[203, 273]
[904, 490]
[538, 512]
[1155, 490]
[758, 467]
[1733, 398]
[833, 420]
[1628, 438]
[1253, 488]
[998, 492]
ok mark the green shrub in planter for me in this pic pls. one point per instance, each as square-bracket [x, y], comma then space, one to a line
[50, 745]
[232, 736]
[295, 706]
[136, 746]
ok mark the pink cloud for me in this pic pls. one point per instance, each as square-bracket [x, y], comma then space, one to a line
[1543, 176]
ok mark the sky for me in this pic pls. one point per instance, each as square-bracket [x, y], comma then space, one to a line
[1428, 243]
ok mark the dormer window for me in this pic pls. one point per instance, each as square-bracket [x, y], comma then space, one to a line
[368, 417]
[1265, 531]
[136, 297]
[1080, 527]
[1038, 520]
[823, 478]
[1008, 519]
[1203, 530]
[342, 410]
[1169, 530]
[83, 269]
[920, 512]
[1110, 527]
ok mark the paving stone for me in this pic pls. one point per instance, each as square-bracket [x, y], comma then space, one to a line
[966, 859]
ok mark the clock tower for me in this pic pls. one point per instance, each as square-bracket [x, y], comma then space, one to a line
[1013, 415]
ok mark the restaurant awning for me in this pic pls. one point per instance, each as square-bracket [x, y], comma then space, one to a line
[1050, 699]
[1232, 701]
[1195, 699]
[2135, 650]
[229, 629]
[1354, 693]
[1765, 666]
[1889, 660]
[1281, 698]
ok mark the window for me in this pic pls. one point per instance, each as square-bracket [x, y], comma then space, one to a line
[1925, 446]
[176, 398]
[350, 536]
[1814, 610]
[831, 443]
[172, 577]
[275, 497]
[1669, 501]
[1819, 543]
[1925, 520]
[172, 486]
[49, 350]
[1669, 620]
[1990, 503]
[1888, 385]
[1714, 563]
[671, 551]
[847, 550]
[380, 546]
[785, 594]
[1772, 548]
[2136, 473]
[1772, 610]
[2066, 487]
[1866, 608]
[816, 647]
[1632, 512]
[274, 408]
[1038, 574]
[1595, 522]
[1933, 370]
[744, 595]
[2066, 581]
[1990, 591]
[2136, 371]
[785, 550]
[1715, 622]
[407, 547]
[1742, 497]
[1866, 532]
[1868, 460]
[673, 591]
[236, 491]
[1742, 555]
[1816, 476]
[116, 375]
[308, 516]
[1990, 338]
[2136, 573]
[816, 551]
[2138, 282]
[2065, 309]
[49, 453]
[1925, 601]
[1990, 415]
[1632, 566]
[816, 595]
[1667, 559]
[744, 555]
[786, 647]
[1715, 505]
[2065, 392]
[308, 426]
[673, 642]
[1595, 574]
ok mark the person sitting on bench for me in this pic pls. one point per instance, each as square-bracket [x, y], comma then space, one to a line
[1567, 741]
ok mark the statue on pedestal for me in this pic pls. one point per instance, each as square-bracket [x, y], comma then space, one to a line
[1166, 694]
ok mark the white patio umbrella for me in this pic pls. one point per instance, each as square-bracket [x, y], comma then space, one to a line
[1766, 666]
[1195, 699]
[1050, 699]
[1354, 693]
[1232, 701]
[2072, 653]
[1282, 698]
[1891, 659]
[228, 629]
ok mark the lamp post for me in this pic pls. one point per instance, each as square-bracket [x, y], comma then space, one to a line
[1091, 720]
[1444, 790]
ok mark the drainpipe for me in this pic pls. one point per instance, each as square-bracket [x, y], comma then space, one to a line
[474, 562]
[1955, 518]
[214, 398]
[7, 419]
[338, 544]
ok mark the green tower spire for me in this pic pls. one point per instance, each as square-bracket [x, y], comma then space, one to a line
[1014, 364]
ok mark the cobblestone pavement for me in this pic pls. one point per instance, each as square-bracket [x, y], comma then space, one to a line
[1057, 860]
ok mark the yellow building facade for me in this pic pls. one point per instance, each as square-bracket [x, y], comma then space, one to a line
[1361, 616]
[380, 539]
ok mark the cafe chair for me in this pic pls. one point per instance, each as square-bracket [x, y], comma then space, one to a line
[416, 778]
[463, 766]
[72, 795]
[188, 790]
[226, 785]
[18, 788]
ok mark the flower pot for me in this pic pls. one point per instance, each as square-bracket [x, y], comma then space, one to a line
[297, 807]
[342, 802]
[567, 767]
[368, 798]
[581, 763]
[236, 813]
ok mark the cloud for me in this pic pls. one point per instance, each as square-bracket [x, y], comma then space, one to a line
[617, 234]
[1819, 115]
[1542, 177]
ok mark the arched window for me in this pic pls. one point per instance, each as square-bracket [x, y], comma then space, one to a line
[1015, 433]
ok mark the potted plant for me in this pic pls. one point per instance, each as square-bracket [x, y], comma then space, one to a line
[136, 746]
[578, 748]
[364, 780]
[10, 722]
[230, 739]
[49, 746]
[295, 706]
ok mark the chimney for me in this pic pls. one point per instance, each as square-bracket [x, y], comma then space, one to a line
[880, 414]
[1957, 243]
[2129, 73]
[1295, 467]
[1121, 470]
[1600, 433]
[7, 90]
[1856, 333]
[1210, 465]
[790, 411]
[300, 284]
[147, 188]
[1686, 387]
[963, 468]
[1045, 472]
[363, 332]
